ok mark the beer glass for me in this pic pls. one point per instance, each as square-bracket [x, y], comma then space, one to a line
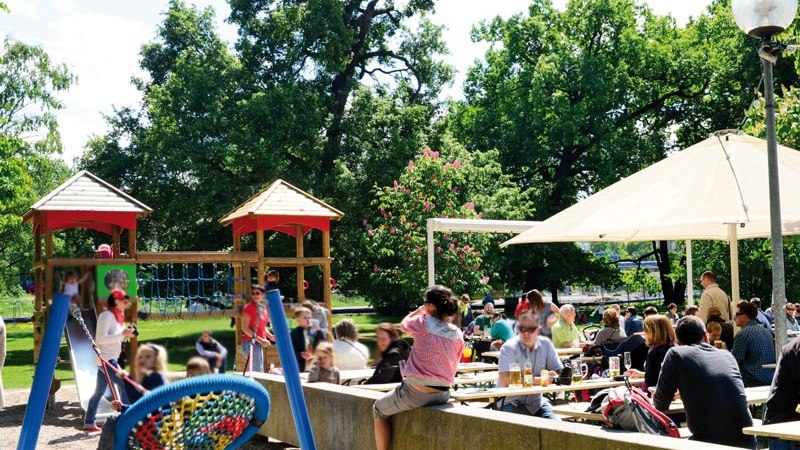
[579, 371]
[544, 378]
[613, 366]
[516, 376]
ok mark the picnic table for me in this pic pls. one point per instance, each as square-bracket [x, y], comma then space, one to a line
[476, 367]
[789, 431]
[570, 351]
[461, 380]
[463, 395]
[348, 376]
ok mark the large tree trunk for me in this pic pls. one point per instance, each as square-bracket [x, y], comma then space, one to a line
[673, 293]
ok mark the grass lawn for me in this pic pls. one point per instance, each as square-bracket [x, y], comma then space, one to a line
[178, 336]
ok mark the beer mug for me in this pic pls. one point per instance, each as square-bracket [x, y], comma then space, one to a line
[613, 366]
[516, 376]
[579, 371]
[544, 378]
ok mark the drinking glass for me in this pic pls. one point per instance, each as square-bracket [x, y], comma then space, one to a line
[627, 356]
[515, 375]
[613, 366]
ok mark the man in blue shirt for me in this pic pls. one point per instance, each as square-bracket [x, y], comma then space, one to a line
[762, 317]
[633, 323]
[528, 346]
[752, 347]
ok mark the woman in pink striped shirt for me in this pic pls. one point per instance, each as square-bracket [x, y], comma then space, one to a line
[431, 366]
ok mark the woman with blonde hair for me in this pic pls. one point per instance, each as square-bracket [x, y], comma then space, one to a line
[659, 335]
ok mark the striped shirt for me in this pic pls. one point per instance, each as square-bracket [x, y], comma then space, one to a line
[437, 350]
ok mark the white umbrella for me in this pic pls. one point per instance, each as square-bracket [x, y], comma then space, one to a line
[716, 189]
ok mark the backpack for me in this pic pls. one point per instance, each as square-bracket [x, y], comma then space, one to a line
[628, 408]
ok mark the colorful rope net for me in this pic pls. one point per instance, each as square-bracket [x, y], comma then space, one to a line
[217, 419]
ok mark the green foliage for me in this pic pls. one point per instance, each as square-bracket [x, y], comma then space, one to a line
[465, 186]
[29, 138]
[636, 280]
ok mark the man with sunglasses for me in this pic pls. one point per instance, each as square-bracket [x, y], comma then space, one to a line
[255, 335]
[527, 346]
[752, 347]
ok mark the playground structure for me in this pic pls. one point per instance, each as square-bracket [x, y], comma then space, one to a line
[167, 285]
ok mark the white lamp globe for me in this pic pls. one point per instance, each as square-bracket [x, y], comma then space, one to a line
[763, 18]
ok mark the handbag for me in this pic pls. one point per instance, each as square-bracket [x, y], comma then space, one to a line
[628, 408]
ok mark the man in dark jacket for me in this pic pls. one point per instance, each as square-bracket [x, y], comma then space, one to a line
[784, 393]
[710, 385]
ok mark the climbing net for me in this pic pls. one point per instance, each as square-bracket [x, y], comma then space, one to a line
[208, 412]
[170, 290]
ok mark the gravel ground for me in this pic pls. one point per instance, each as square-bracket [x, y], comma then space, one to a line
[61, 427]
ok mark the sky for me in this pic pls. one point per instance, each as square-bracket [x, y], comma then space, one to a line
[99, 41]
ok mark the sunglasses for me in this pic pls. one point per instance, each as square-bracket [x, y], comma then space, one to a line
[527, 329]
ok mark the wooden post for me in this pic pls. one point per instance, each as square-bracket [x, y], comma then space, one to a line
[301, 270]
[115, 240]
[260, 250]
[38, 272]
[326, 270]
[131, 242]
[238, 290]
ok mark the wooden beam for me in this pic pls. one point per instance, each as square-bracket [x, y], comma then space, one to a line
[72, 262]
[326, 271]
[132, 242]
[301, 270]
[280, 261]
[188, 257]
[260, 250]
[115, 232]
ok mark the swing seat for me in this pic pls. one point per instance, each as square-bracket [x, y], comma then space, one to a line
[205, 412]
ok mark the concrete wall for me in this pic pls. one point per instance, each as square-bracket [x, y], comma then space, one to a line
[341, 418]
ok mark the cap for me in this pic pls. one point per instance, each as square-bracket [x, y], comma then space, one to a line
[259, 287]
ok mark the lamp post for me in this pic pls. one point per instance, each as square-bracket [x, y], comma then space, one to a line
[763, 19]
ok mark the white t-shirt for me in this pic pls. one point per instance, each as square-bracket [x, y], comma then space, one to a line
[348, 355]
[108, 336]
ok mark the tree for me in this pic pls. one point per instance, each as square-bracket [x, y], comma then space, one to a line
[432, 185]
[29, 139]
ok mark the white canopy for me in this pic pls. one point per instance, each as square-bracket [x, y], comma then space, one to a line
[466, 226]
[717, 189]
[692, 194]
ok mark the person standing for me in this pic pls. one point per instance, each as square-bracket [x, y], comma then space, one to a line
[464, 317]
[716, 408]
[547, 312]
[784, 393]
[752, 347]
[528, 347]
[255, 335]
[109, 334]
[713, 295]
[432, 365]
[213, 351]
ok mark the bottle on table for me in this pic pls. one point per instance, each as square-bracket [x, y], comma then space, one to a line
[527, 374]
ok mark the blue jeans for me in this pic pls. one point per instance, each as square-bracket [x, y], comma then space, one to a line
[100, 389]
[545, 411]
[257, 357]
[780, 444]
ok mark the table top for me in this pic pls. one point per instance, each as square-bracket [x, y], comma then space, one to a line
[348, 375]
[479, 338]
[476, 367]
[789, 431]
[492, 354]
[482, 393]
[571, 351]
[463, 379]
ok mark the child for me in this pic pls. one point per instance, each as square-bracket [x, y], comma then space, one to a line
[151, 372]
[431, 366]
[304, 338]
[196, 366]
[215, 353]
[70, 283]
[323, 369]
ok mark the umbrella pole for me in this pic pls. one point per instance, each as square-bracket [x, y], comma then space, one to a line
[689, 274]
[733, 244]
